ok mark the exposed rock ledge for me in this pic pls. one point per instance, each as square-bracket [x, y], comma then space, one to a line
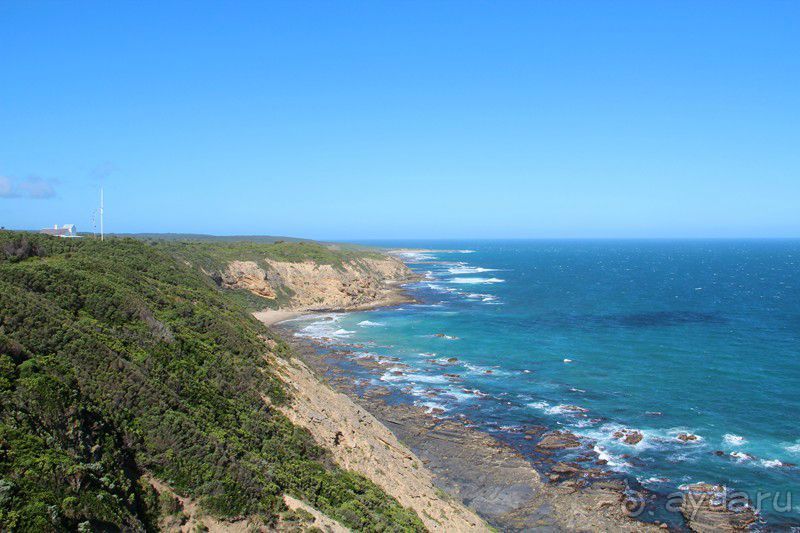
[358, 283]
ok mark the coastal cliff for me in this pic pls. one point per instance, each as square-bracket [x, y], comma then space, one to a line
[298, 276]
[353, 284]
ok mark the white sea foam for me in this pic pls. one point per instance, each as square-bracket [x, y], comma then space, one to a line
[441, 288]
[391, 376]
[793, 448]
[475, 281]
[542, 406]
[484, 370]
[561, 409]
[741, 456]
[398, 374]
[466, 269]
[770, 463]
[431, 406]
[415, 257]
[653, 480]
[482, 297]
[459, 395]
[369, 323]
[733, 440]
[611, 460]
[567, 360]
[326, 326]
[426, 378]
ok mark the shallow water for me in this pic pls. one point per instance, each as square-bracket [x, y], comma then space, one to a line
[594, 336]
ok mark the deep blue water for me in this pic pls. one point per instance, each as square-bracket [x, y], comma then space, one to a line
[662, 337]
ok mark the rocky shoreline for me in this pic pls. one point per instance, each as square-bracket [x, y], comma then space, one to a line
[490, 476]
[562, 486]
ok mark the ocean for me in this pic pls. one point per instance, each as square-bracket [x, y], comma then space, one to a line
[662, 337]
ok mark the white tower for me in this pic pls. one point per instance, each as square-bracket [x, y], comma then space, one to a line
[101, 213]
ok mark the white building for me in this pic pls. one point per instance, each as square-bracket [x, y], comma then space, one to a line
[67, 231]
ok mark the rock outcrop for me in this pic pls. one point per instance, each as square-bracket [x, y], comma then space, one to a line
[630, 437]
[712, 508]
[249, 276]
[307, 285]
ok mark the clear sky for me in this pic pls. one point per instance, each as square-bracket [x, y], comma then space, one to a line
[353, 120]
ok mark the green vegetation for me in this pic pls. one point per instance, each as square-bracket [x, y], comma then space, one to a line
[213, 255]
[199, 237]
[116, 360]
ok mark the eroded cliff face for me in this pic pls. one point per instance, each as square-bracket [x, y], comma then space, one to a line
[249, 276]
[358, 441]
[308, 285]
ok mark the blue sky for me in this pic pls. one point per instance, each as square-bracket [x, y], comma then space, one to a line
[354, 120]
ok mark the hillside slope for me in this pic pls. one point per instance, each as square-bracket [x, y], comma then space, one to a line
[119, 362]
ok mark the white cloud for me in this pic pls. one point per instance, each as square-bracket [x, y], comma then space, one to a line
[6, 190]
[31, 187]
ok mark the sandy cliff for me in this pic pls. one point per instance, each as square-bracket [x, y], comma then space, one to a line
[308, 285]
[359, 442]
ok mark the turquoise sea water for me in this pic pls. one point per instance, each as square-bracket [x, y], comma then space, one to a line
[595, 336]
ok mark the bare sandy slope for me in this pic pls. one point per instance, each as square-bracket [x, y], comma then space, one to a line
[359, 442]
[191, 517]
[272, 316]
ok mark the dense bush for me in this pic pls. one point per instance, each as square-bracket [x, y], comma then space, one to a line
[117, 359]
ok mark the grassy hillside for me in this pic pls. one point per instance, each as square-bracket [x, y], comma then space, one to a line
[199, 237]
[118, 360]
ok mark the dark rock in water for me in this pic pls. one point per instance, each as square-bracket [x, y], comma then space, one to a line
[719, 453]
[711, 508]
[574, 409]
[687, 437]
[557, 440]
[535, 430]
[564, 470]
[631, 437]
[452, 359]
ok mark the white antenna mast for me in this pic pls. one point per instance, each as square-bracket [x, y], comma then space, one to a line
[101, 213]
